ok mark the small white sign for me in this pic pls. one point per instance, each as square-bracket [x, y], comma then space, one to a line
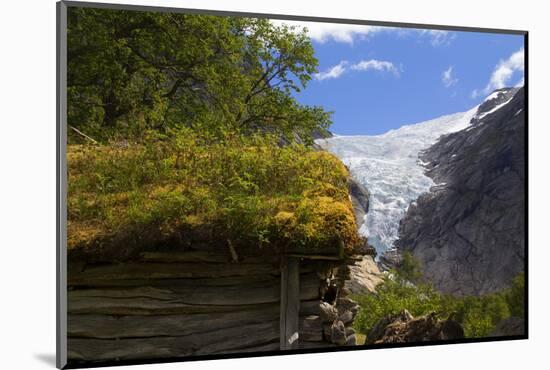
[294, 337]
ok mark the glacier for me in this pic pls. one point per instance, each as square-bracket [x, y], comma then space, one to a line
[388, 165]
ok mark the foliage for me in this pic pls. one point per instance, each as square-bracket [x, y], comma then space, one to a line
[515, 298]
[391, 297]
[409, 269]
[478, 315]
[247, 188]
[130, 72]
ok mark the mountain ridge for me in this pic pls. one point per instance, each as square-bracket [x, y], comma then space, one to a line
[468, 230]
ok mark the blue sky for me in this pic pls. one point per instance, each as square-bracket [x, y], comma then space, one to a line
[378, 78]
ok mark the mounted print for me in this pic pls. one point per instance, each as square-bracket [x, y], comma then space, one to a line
[236, 184]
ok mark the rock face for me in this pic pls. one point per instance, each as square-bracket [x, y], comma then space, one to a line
[360, 200]
[390, 259]
[468, 231]
[364, 276]
[404, 328]
[507, 327]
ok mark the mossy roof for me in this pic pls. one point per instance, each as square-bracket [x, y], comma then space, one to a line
[126, 198]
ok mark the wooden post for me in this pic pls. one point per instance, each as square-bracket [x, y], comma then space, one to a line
[290, 303]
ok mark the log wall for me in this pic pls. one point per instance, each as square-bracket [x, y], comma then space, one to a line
[167, 305]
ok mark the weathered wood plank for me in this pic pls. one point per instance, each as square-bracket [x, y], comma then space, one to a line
[125, 273]
[236, 339]
[151, 270]
[184, 298]
[311, 329]
[290, 303]
[147, 306]
[177, 282]
[310, 307]
[204, 256]
[321, 257]
[251, 293]
[309, 287]
[110, 327]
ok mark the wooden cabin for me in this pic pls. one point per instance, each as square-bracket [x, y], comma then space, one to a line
[207, 300]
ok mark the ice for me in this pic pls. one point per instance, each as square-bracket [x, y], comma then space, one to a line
[388, 165]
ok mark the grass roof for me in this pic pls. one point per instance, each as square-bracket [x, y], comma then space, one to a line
[124, 198]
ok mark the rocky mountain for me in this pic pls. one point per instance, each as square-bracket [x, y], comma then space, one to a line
[387, 165]
[468, 231]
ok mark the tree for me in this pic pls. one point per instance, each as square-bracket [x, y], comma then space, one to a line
[409, 268]
[130, 71]
[515, 297]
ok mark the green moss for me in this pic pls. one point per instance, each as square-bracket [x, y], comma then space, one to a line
[247, 190]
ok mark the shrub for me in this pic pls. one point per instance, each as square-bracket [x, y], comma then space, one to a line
[478, 315]
[391, 297]
[409, 269]
[515, 297]
[247, 189]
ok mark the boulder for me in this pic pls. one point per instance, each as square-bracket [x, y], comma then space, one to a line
[329, 313]
[404, 328]
[364, 276]
[338, 333]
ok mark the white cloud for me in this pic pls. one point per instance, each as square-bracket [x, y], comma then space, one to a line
[521, 82]
[447, 77]
[503, 73]
[364, 65]
[348, 33]
[378, 65]
[333, 72]
[438, 37]
[322, 32]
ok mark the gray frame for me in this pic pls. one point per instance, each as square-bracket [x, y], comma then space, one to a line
[61, 161]
[61, 189]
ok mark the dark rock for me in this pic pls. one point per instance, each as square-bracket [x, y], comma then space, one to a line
[390, 259]
[507, 327]
[328, 312]
[501, 96]
[338, 333]
[378, 329]
[351, 340]
[364, 248]
[343, 304]
[346, 317]
[404, 328]
[468, 233]
[359, 199]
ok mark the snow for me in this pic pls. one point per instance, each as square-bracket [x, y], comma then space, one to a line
[494, 109]
[493, 95]
[388, 165]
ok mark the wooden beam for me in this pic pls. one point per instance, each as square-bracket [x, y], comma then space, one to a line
[252, 337]
[290, 303]
[112, 327]
[316, 257]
